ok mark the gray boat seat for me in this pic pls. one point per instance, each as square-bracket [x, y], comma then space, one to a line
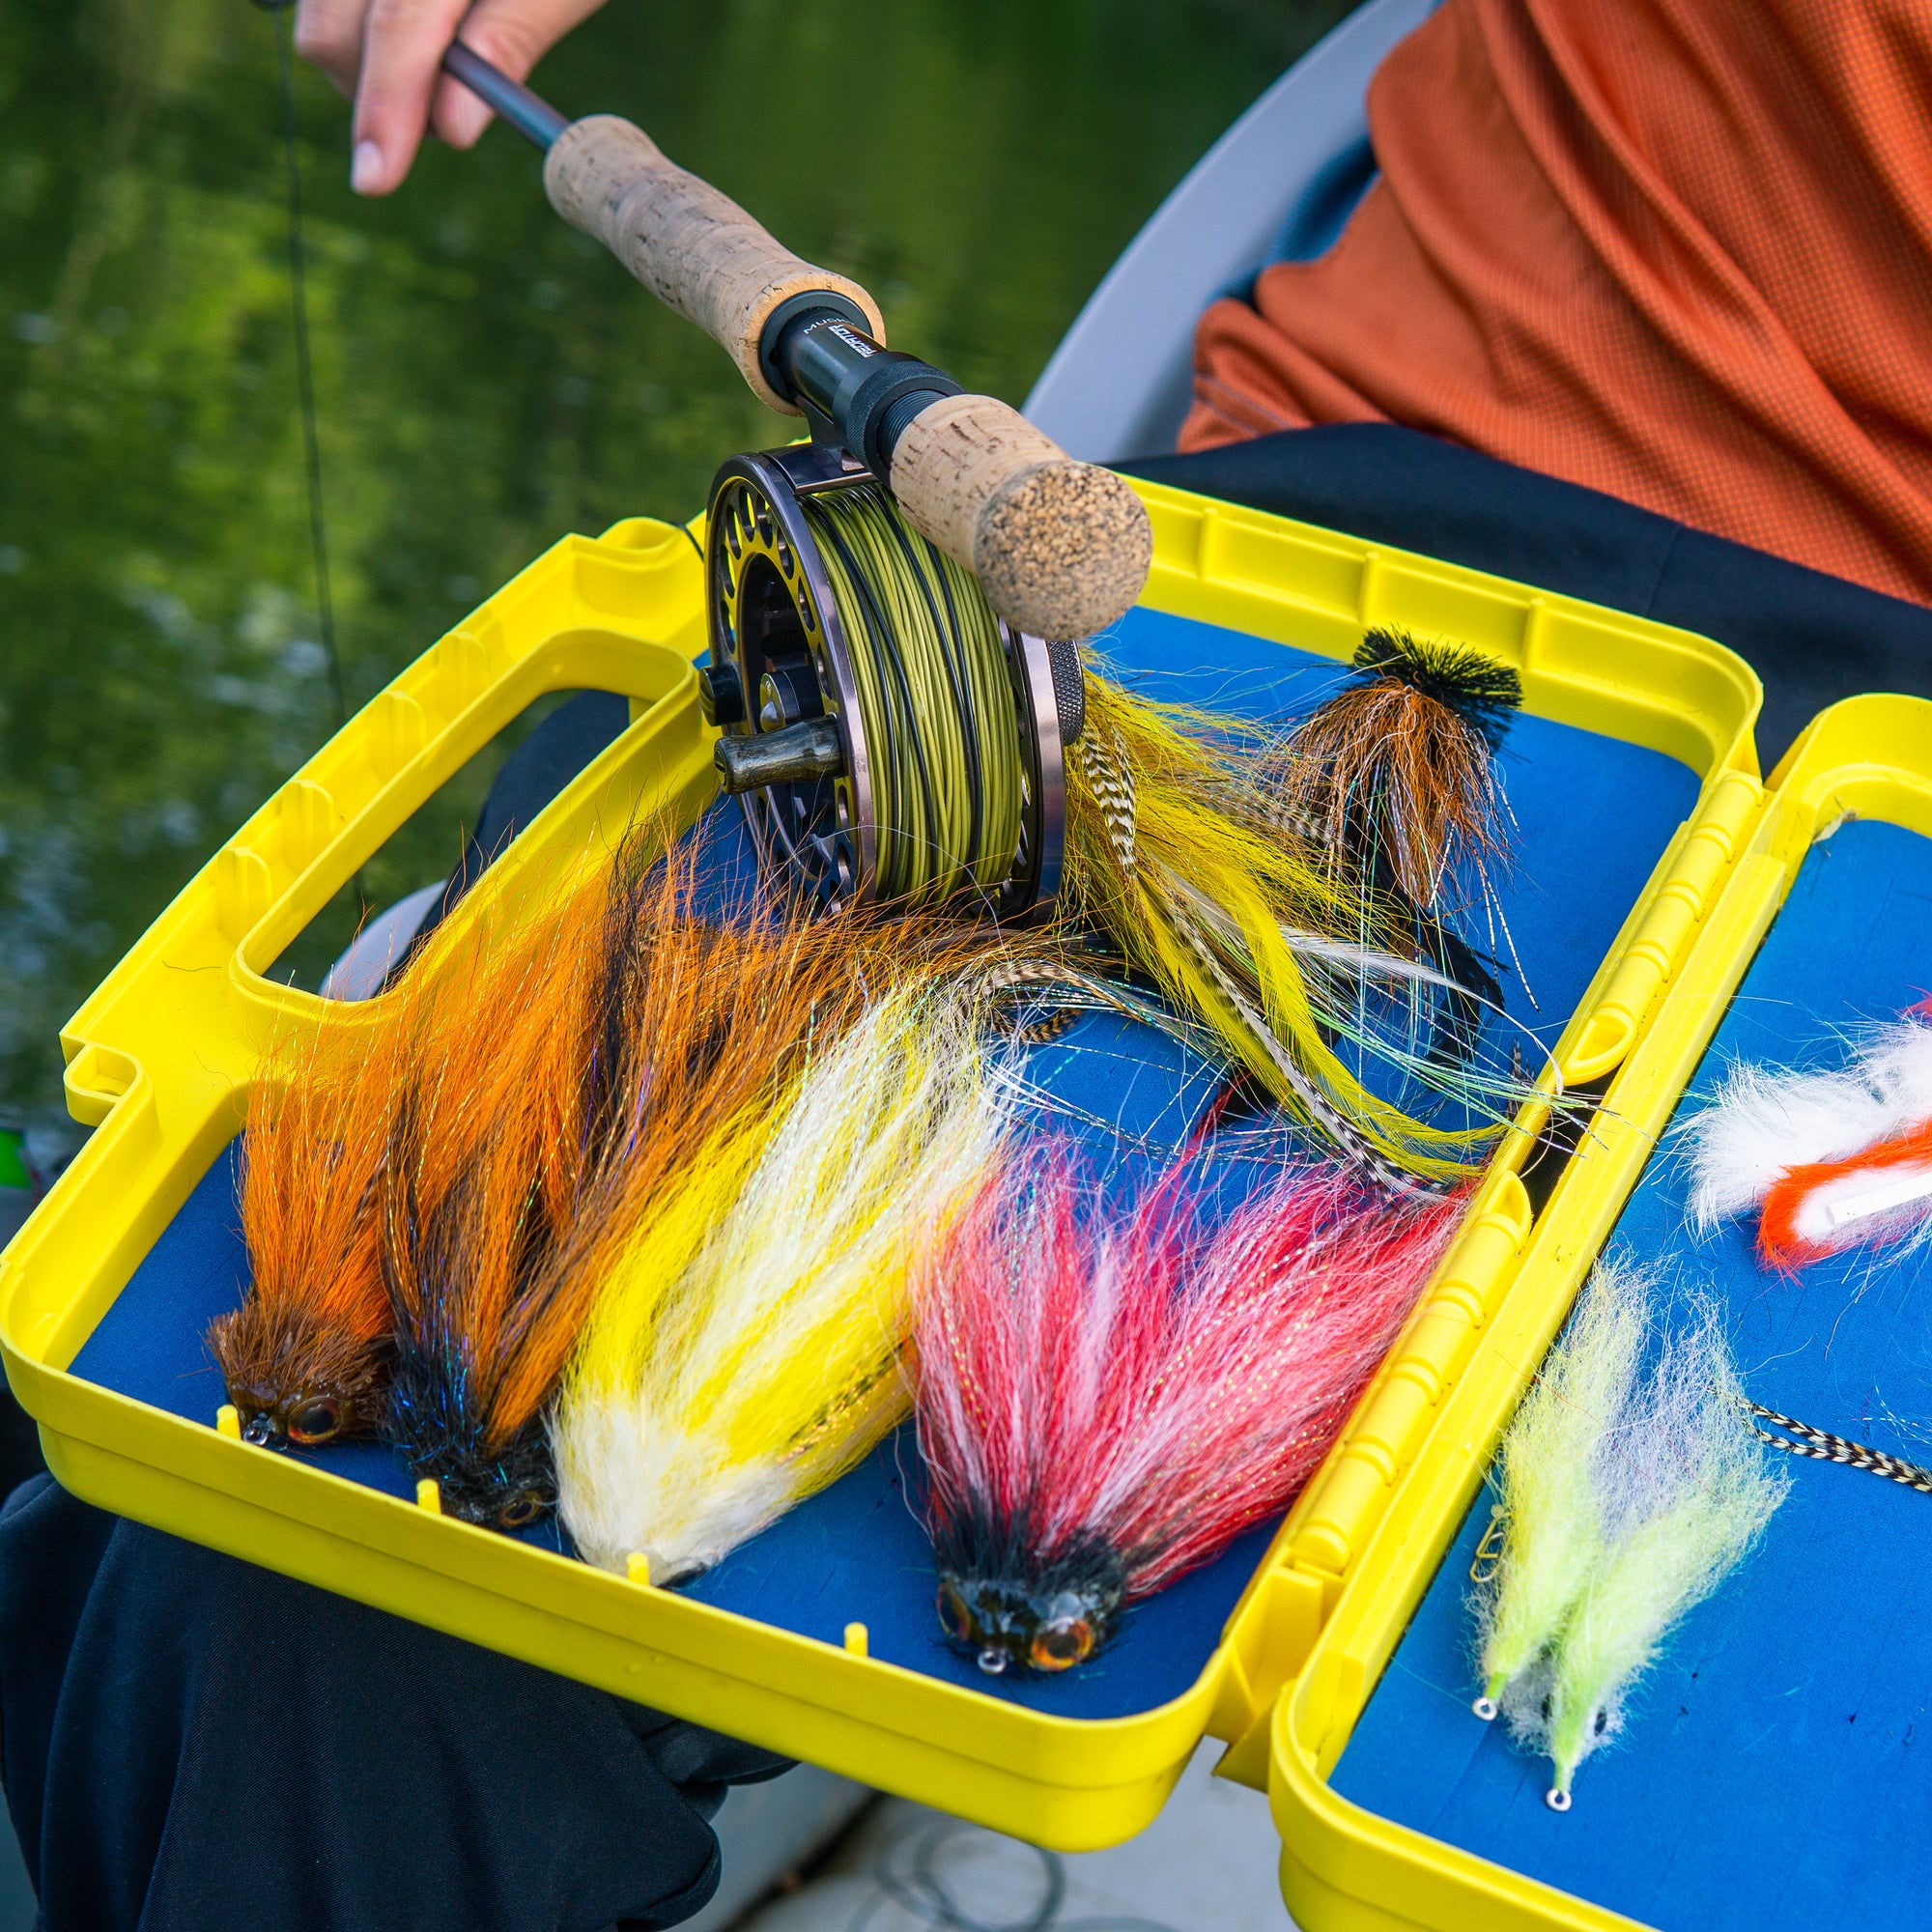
[1277, 186]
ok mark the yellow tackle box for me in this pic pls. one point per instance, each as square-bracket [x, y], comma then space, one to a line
[1633, 778]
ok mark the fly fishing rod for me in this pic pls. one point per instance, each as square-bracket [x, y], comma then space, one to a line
[895, 612]
[893, 607]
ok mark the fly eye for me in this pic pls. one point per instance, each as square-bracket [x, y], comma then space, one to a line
[315, 1422]
[955, 1618]
[1062, 1644]
[522, 1508]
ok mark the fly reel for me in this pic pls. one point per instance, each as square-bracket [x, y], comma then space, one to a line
[889, 738]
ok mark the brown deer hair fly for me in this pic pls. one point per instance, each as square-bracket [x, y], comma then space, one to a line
[302, 1357]
[1394, 779]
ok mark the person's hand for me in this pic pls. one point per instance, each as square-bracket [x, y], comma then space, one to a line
[386, 56]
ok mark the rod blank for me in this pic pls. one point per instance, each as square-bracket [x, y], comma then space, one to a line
[530, 114]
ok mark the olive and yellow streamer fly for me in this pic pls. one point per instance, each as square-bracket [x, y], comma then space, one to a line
[1186, 844]
[739, 1360]
[1169, 852]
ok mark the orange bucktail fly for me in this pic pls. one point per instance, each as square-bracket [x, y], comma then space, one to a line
[306, 1356]
[302, 1357]
[487, 1157]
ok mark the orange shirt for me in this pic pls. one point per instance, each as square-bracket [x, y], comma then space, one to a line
[1678, 250]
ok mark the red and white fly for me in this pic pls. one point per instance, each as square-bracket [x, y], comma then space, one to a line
[1830, 1160]
[1104, 1402]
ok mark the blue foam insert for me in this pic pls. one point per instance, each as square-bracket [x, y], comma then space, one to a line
[1593, 814]
[1771, 1770]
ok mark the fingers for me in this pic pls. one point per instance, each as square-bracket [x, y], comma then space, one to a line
[389, 55]
[401, 59]
[513, 34]
[328, 35]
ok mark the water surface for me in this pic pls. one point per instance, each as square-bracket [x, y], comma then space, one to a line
[487, 379]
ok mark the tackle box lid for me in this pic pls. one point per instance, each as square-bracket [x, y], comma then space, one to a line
[1767, 1768]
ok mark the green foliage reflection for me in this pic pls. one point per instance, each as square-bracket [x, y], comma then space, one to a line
[487, 379]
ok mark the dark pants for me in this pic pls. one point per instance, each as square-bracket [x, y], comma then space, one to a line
[195, 1745]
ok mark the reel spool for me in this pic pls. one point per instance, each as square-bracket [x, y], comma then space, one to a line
[888, 737]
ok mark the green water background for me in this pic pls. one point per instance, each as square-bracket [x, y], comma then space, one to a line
[487, 379]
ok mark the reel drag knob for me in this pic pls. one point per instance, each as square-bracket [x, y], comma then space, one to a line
[721, 696]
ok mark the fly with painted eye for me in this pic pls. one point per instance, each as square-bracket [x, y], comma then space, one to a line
[302, 1359]
[297, 1385]
[1063, 1640]
[305, 1357]
[497, 1481]
[1106, 1400]
[314, 1422]
[1039, 1628]
[302, 1421]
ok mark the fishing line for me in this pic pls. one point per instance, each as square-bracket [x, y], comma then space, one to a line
[930, 663]
[921, 1892]
[318, 531]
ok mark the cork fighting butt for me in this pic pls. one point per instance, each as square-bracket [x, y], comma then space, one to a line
[693, 247]
[1061, 547]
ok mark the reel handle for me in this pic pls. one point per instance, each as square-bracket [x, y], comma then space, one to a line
[691, 246]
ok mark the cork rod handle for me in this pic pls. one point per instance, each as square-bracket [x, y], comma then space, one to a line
[693, 247]
[1061, 548]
